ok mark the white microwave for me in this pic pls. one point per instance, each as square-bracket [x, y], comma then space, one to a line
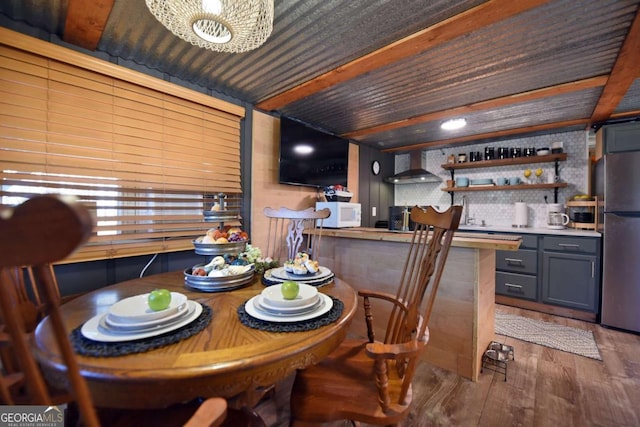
[343, 214]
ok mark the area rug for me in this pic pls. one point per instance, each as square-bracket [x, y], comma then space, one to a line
[565, 338]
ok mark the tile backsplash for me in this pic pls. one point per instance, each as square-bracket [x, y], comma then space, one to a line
[496, 208]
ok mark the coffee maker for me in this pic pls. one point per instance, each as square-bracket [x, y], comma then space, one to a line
[556, 218]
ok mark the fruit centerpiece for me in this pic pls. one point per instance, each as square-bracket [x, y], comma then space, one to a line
[221, 240]
[230, 266]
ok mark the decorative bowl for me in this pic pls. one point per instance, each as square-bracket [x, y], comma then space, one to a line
[462, 182]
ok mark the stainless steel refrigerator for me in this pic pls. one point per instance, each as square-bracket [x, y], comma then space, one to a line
[617, 183]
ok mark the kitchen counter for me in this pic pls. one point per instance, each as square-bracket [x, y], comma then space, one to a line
[466, 240]
[462, 323]
[530, 230]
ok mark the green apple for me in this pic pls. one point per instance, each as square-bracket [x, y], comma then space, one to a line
[159, 299]
[289, 289]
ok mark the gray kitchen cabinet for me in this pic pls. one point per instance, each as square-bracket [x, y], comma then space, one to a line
[517, 272]
[551, 271]
[569, 280]
[622, 137]
[571, 272]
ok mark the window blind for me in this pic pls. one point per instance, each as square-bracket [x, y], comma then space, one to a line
[146, 162]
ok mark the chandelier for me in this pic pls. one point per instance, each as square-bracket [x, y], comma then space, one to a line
[220, 25]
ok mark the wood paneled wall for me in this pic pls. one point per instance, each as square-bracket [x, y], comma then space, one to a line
[265, 189]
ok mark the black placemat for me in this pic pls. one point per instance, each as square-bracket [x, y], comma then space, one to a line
[306, 325]
[87, 347]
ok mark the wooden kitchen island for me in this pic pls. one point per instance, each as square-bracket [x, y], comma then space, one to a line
[462, 323]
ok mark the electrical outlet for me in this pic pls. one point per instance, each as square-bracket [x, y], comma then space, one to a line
[373, 211]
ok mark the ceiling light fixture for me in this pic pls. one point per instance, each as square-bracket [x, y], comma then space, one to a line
[231, 26]
[454, 124]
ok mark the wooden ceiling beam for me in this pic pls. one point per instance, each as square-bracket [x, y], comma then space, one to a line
[85, 22]
[632, 113]
[625, 70]
[507, 132]
[484, 105]
[471, 20]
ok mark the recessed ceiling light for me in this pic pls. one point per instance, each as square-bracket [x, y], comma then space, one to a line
[454, 124]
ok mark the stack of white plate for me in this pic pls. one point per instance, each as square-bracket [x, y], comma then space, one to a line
[132, 319]
[271, 306]
[279, 275]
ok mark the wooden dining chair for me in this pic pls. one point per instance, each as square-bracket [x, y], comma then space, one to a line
[369, 380]
[30, 240]
[286, 232]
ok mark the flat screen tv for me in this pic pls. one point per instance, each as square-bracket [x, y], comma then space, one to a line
[311, 157]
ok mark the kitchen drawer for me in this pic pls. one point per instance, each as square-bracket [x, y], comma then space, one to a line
[529, 241]
[522, 261]
[517, 285]
[571, 244]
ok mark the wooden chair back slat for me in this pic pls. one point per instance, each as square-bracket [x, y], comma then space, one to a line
[30, 241]
[286, 232]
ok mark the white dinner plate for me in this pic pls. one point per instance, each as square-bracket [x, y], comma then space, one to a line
[253, 312]
[281, 273]
[115, 323]
[136, 309]
[315, 282]
[273, 296]
[92, 330]
[104, 324]
[262, 305]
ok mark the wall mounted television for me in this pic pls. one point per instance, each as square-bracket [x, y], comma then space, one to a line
[311, 157]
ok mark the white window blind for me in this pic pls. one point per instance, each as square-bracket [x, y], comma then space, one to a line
[145, 161]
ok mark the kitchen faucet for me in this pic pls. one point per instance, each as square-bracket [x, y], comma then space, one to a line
[465, 211]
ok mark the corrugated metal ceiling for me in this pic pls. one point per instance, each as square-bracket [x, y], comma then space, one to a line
[555, 43]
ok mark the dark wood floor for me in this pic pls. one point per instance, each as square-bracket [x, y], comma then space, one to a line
[545, 387]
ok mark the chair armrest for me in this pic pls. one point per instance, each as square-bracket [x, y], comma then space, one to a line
[383, 296]
[210, 413]
[380, 350]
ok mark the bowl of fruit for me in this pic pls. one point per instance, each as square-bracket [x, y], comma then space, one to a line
[220, 241]
[220, 274]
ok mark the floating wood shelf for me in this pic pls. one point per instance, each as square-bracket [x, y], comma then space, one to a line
[555, 158]
[507, 162]
[592, 204]
[506, 187]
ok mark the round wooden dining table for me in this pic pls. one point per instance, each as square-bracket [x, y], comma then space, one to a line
[225, 359]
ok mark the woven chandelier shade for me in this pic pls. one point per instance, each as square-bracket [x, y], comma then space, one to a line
[231, 26]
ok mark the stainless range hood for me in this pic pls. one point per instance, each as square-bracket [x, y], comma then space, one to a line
[415, 174]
